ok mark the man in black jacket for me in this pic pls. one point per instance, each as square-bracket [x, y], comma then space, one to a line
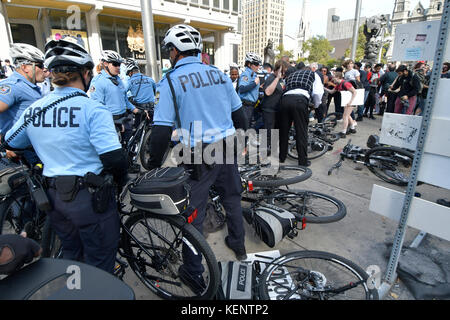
[409, 84]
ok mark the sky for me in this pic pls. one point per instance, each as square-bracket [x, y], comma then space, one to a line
[346, 10]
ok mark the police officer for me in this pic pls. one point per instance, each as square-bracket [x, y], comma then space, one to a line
[202, 93]
[141, 88]
[21, 89]
[108, 89]
[249, 83]
[77, 142]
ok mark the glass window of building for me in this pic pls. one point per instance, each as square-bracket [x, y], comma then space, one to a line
[23, 33]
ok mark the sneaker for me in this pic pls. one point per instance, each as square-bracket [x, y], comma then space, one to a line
[372, 117]
[350, 130]
[342, 135]
[240, 253]
[308, 163]
[359, 118]
[195, 282]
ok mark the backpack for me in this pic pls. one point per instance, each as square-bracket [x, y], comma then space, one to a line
[356, 84]
[271, 223]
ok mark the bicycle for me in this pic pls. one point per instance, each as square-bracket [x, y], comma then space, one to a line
[23, 209]
[316, 147]
[314, 275]
[153, 243]
[389, 163]
[137, 146]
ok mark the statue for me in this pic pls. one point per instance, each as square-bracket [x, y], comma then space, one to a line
[373, 29]
[269, 54]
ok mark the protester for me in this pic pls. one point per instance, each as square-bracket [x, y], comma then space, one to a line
[409, 85]
[446, 70]
[386, 81]
[365, 84]
[371, 101]
[234, 75]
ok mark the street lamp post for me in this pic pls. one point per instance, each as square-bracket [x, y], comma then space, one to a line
[356, 29]
[149, 37]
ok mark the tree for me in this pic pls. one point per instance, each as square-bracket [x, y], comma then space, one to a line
[283, 53]
[319, 49]
[360, 46]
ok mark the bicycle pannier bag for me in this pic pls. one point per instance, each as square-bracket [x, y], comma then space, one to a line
[272, 224]
[9, 173]
[162, 191]
[237, 279]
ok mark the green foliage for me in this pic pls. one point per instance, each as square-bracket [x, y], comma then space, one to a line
[360, 46]
[283, 52]
[319, 49]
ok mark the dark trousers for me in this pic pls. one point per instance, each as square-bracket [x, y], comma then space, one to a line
[85, 235]
[227, 182]
[391, 97]
[370, 102]
[249, 113]
[271, 120]
[294, 108]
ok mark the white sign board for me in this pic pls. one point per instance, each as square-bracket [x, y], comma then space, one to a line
[416, 41]
[400, 130]
[347, 95]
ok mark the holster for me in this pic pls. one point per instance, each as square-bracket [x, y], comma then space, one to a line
[67, 187]
[101, 188]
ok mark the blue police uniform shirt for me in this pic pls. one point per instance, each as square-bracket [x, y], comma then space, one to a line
[70, 136]
[18, 93]
[247, 79]
[103, 90]
[205, 97]
[146, 92]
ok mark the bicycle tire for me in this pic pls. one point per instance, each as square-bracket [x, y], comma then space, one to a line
[8, 223]
[167, 278]
[51, 244]
[312, 154]
[320, 207]
[388, 170]
[331, 119]
[316, 274]
[144, 153]
[276, 180]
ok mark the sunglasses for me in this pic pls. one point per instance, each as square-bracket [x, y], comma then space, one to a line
[116, 64]
[39, 65]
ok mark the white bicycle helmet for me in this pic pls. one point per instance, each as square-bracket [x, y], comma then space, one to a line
[253, 58]
[66, 52]
[183, 38]
[130, 65]
[22, 53]
[111, 56]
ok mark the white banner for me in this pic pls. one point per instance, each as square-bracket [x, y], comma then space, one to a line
[347, 95]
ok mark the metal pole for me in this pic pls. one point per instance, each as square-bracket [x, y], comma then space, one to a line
[356, 29]
[149, 37]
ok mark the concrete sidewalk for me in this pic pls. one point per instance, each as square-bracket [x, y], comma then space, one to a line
[362, 236]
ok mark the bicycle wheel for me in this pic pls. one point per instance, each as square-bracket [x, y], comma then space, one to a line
[154, 253]
[10, 211]
[265, 176]
[330, 120]
[314, 275]
[144, 154]
[316, 207]
[390, 164]
[316, 148]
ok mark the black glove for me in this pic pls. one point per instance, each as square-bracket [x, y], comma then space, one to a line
[23, 251]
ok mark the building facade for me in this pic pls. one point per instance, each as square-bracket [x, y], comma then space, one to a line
[262, 20]
[304, 30]
[403, 14]
[116, 25]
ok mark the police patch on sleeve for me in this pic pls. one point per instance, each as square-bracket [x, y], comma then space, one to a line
[92, 89]
[245, 78]
[5, 89]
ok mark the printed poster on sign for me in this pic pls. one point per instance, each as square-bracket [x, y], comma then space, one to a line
[282, 281]
[80, 36]
[400, 130]
[416, 41]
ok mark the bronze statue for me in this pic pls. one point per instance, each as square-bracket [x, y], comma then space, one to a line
[372, 30]
[269, 54]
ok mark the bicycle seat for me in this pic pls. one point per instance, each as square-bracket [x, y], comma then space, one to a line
[50, 279]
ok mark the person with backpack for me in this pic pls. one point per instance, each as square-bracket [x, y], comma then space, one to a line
[409, 85]
[374, 78]
[343, 85]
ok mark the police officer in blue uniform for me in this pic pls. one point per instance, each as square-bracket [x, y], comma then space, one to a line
[76, 140]
[204, 94]
[20, 90]
[249, 83]
[108, 89]
[141, 88]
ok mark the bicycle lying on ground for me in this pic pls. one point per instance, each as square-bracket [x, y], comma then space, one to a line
[389, 163]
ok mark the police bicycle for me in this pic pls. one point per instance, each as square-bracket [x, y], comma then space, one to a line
[138, 144]
[389, 163]
[23, 206]
[154, 240]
